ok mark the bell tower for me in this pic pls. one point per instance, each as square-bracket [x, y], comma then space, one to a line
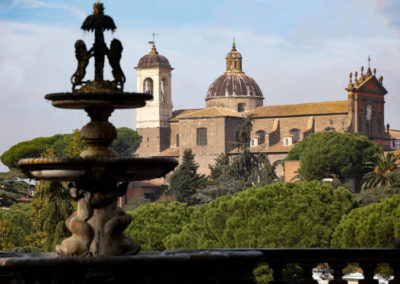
[152, 121]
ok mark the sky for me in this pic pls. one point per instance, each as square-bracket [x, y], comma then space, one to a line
[298, 51]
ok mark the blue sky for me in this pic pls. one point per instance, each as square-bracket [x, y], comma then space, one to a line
[297, 50]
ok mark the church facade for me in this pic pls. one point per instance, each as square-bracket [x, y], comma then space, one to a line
[235, 95]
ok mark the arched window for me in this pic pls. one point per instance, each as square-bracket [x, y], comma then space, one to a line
[148, 86]
[261, 136]
[201, 137]
[296, 134]
[241, 107]
[163, 88]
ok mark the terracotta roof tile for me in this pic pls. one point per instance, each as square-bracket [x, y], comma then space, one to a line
[210, 112]
[177, 113]
[169, 152]
[301, 109]
[394, 133]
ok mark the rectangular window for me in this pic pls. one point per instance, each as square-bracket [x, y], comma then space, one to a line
[177, 140]
[201, 136]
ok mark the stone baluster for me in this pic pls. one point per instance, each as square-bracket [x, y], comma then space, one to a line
[337, 268]
[277, 269]
[369, 272]
[396, 273]
[307, 268]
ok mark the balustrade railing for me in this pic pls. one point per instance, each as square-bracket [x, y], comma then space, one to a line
[194, 266]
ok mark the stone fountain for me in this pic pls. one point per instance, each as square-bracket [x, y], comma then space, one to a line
[98, 176]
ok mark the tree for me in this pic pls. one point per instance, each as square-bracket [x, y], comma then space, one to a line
[333, 154]
[278, 215]
[67, 145]
[76, 145]
[50, 208]
[153, 223]
[381, 171]
[185, 181]
[14, 226]
[34, 148]
[373, 226]
[127, 141]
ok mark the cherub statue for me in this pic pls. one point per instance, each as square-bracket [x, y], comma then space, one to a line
[83, 56]
[114, 57]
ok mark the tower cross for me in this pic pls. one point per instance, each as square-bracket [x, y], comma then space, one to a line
[369, 62]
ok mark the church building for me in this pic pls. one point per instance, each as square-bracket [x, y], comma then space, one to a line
[235, 95]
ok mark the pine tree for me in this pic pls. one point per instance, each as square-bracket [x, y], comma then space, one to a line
[50, 208]
[185, 181]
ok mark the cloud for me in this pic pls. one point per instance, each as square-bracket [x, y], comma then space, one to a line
[35, 4]
[390, 9]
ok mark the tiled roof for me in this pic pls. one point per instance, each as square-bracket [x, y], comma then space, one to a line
[301, 109]
[394, 133]
[210, 112]
[144, 183]
[169, 152]
[177, 113]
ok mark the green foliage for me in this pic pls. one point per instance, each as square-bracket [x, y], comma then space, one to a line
[127, 141]
[76, 145]
[373, 226]
[14, 226]
[34, 148]
[381, 171]
[50, 207]
[153, 223]
[278, 215]
[333, 154]
[185, 181]
[374, 195]
[66, 145]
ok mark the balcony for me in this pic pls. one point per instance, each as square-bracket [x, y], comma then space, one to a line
[191, 266]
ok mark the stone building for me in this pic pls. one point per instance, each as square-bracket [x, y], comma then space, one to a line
[234, 95]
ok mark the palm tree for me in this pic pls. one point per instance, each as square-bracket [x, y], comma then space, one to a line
[381, 171]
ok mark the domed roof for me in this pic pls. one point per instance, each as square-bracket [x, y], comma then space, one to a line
[153, 59]
[234, 85]
[233, 53]
[234, 82]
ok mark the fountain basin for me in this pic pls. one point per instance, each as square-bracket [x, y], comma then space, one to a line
[98, 167]
[99, 100]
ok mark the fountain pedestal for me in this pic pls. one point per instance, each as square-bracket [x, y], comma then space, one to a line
[98, 176]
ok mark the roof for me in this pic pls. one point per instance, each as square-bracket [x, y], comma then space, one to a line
[210, 112]
[153, 59]
[177, 113]
[144, 183]
[394, 133]
[360, 82]
[169, 152]
[234, 85]
[301, 109]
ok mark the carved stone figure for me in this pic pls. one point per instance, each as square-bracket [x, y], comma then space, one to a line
[83, 56]
[82, 234]
[114, 57]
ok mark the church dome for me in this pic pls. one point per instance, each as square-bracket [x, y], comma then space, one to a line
[234, 82]
[153, 59]
[234, 85]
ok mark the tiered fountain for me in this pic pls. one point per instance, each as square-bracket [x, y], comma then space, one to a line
[99, 176]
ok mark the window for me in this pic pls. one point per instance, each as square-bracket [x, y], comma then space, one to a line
[296, 134]
[241, 107]
[148, 86]
[177, 140]
[201, 136]
[261, 136]
[163, 90]
[287, 141]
